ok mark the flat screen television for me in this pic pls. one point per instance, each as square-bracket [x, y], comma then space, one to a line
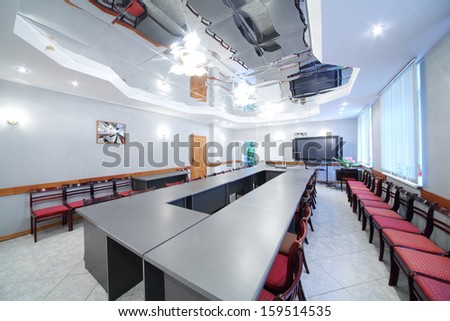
[317, 149]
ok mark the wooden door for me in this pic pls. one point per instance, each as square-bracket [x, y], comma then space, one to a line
[197, 156]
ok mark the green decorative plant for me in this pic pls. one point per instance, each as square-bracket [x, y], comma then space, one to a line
[346, 162]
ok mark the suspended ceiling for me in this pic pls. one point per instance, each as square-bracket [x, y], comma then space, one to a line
[263, 44]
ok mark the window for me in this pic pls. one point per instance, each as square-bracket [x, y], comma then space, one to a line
[400, 127]
[365, 137]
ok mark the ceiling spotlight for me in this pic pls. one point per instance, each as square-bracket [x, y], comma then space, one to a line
[342, 108]
[22, 70]
[74, 83]
[376, 30]
[340, 113]
[344, 104]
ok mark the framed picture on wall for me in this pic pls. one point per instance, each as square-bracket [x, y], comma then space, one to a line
[110, 132]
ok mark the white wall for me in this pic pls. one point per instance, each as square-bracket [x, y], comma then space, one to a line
[56, 141]
[436, 147]
[346, 128]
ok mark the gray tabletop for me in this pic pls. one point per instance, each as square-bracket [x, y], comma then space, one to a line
[228, 255]
[145, 229]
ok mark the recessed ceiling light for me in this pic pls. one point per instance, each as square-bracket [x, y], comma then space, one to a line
[74, 83]
[296, 121]
[376, 30]
[340, 113]
[22, 70]
[342, 108]
[215, 120]
[344, 104]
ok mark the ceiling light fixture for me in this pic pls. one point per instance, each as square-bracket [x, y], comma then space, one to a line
[74, 83]
[244, 95]
[22, 70]
[376, 30]
[189, 59]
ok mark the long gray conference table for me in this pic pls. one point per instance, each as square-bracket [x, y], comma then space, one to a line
[188, 242]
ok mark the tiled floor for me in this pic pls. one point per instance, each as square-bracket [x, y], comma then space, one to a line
[343, 265]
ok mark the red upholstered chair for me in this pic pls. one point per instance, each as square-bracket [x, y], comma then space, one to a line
[358, 186]
[289, 237]
[435, 222]
[122, 187]
[76, 196]
[384, 201]
[414, 262]
[103, 191]
[294, 289]
[174, 183]
[369, 208]
[283, 281]
[396, 221]
[285, 267]
[76, 193]
[47, 204]
[373, 194]
[133, 13]
[428, 288]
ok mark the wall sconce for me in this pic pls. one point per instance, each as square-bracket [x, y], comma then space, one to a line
[163, 132]
[12, 121]
[12, 116]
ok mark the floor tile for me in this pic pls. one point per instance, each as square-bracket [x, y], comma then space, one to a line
[374, 291]
[73, 288]
[339, 295]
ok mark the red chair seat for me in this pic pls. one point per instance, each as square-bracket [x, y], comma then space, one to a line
[266, 296]
[125, 193]
[359, 187]
[413, 241]
[362, 191]
[368, 197]
[49, 211]
[372, 211]
[277, 275]
[433, 289]
[377, 204]
[396, 224]
[76, 204]
[430, 264]
[356, 183]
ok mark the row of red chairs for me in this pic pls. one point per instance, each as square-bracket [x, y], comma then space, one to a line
[284, 279]
[62, 201]
[415, 230]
